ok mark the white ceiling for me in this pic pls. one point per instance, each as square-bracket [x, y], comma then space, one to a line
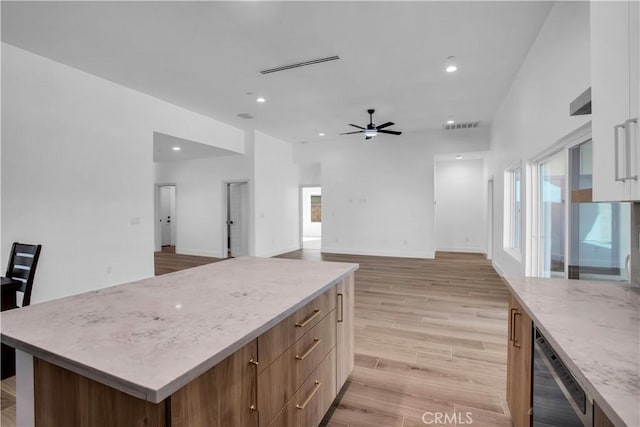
[163, 149]
[206, 56]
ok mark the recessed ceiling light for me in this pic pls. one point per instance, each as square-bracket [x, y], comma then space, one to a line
[177, 148]
[261, 100]
[321, 134]
[450, 122]
[458, 157]
[451, 66]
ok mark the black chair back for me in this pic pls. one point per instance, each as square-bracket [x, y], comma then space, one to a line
[22, 267]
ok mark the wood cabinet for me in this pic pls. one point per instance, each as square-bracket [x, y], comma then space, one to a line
[225, 395]
[615, 88]
[519, 359]
[288, 376]
[600, 419]
[345, 337]
[313, 398]
[276, 340]
[64, 398]
[281, 380]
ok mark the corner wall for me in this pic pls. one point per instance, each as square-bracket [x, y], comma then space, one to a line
[535, 112]
[378, 197]
[77, 171]
[200, 200]
[460, 206]
[276, 197]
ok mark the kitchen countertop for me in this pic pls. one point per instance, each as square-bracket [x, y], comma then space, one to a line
[595, 329]
[151, 337]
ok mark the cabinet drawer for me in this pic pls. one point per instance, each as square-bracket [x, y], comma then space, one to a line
[313, 398]
[280, 380]
[278, 339]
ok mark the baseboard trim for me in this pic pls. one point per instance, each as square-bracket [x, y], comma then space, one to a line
[197, 252]
[421, 255]
[465, 250]
[497, 268]
[278, 252]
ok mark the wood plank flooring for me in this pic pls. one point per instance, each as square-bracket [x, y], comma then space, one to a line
[430, 338]
[8, 402]
[167, 261]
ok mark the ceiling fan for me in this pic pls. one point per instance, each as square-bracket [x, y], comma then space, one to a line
[372, 130]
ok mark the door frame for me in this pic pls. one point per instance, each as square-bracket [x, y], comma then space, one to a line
[157, 230]
[301, 213]
[225, 249]
[490, 215]
[533, 263]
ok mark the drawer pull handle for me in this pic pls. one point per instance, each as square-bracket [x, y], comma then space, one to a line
[308, 399]
[341, 300]
[516, 340]
[309, 318]
[512, 325]
[254, 406]
[316, 342]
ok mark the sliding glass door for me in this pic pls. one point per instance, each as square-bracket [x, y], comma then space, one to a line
[551, 185]
[579, 239]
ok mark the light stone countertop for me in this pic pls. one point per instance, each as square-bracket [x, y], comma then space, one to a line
[595, 329]
[151, 337]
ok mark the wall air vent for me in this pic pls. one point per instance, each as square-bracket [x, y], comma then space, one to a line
[300, 64]
[245, 116]
[456, 126]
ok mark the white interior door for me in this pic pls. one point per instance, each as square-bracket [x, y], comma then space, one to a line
[167, 208]
[238, 218]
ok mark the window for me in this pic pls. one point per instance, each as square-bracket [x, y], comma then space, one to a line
[513, 216]
[599, 233]
[577, 238]
[316, 208]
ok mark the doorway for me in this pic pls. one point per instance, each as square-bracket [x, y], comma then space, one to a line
[237, 219]
[311, 229]
[166, 229]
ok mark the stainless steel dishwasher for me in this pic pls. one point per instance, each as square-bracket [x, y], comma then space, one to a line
[558, 399]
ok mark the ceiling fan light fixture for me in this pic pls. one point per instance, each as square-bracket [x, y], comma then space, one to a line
[371, 132]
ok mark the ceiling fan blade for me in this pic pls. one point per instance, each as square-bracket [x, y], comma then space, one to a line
[368, 137]
[386, 125]
[390, 132]
[349, 133]
[356, 126]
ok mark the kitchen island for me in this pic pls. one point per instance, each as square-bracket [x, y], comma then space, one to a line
[208, 346]
[594, 327]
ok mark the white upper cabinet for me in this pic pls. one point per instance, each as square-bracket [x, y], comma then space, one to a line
[615, 93]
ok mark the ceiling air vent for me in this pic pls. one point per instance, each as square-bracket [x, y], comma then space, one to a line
[300, 64]
[456, 126]
[245, 116]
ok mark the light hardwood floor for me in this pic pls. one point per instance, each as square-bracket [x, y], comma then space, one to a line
[430, 338]
[167, 261]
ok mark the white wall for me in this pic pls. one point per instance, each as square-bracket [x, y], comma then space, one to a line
[535, 113]
[460, 206]
[200, 200]
[77, 171]
[276, 196]
[310, 174]
[377, 198]
[310, 229]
